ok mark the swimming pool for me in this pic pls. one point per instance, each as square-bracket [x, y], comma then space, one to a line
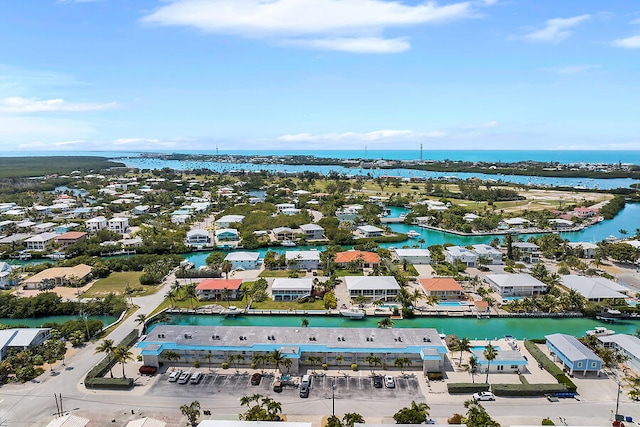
[452, 303]
[477, 348]
[512, 298]
[632, 303]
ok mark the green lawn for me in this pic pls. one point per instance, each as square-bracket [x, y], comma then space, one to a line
[117, 282]
[275, 273]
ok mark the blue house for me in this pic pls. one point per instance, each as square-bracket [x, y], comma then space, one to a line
[574, 355]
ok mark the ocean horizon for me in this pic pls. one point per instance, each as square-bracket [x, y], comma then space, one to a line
[506, 156]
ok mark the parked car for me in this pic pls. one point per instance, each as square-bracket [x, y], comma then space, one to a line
[173, 376]
[483, 395]
[255, 379]
[304, 390]
[389, 382]
[196, 377]
[147, 370]
[184, 378]
[377, 381]
[277, 386]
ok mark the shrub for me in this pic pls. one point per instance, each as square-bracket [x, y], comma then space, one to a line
[547, 422]
[434, 376]
[354, 366]
[456, 419]
[196, 364]
[325, 366]
[460, 388]
[549, 366]
[109, 383]
[224, 365]
[527, 389]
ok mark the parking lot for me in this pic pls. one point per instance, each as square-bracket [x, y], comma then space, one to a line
[231, 384]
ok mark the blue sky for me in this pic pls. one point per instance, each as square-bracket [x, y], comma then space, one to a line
[319, 74]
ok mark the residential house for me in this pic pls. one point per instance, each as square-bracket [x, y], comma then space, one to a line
[470, 217]
[71, 237]
[584, 250]
[442, 288]
[141, 210]
[574, 355]
[287, 289]
[198, 238]
[118, 225]
[560, 224]
[412, 256]
[227, 235]
[367, 259]
[373, 288]
[367, 231]
[583, 212]
[281, 207]
[59, 276]
[303, 260]
[349, 213]
[509, 361]
[243, 260]
[214, 289]
[312, 231]
[40, 242]
[521, 284]
[515, 223]
[627, 346]
[227, 220]
[44, 227]
[283, 233]
[69, 420]
[96, 224]
[488, 253]
[21, 339]
[5, 224]
[527, 252]
[595, 288]
[454, 254]
[5, 273]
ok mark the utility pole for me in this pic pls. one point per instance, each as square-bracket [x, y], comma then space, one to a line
[333, 397]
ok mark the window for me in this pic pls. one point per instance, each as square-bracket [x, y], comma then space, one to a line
[579, 365]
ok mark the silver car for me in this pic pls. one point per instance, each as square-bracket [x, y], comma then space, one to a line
[483, 395]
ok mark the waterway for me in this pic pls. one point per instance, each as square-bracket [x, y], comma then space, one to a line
[37, 322]
[471, 328]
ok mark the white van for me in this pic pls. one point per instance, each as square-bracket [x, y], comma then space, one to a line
[306, 380]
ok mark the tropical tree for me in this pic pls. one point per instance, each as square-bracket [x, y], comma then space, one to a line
[339, 360]
[373, 361]
[490, 354]
[260, 408]
[416, 414]
[226, 294]
[334, 421]
[141, 319]
[277, 358]
[350, 418]
[477, 416]
[361, 300]
[236, 359]
[208, 358]
[192, 412]
[463, 345]
[313, 361]
[226, 268]
[287, 363]
[171, 296]
[171, 355]
[633, 383]
[385, 323]
[402, 362]
[122, 355]
[190, 292]
[304, 323]
[473, 368]
[106, 347]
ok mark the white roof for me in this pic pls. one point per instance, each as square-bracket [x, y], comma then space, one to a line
[230, 218]
[522, 245]
[69, 420]
[146, 422]
[569, 346]
[200, 232]
[514, 280]
[370, 229]
[630, 343]
[516, 221]
[44, 237]
[282, 230]
[236, 423]
[242, 256]
[302, 255]
[457, 251]
[225, 230]
[483, 249]
[283, 283]
[594, 287]
[371, 282]
[44, 225]
[583, 245]
[412, 252]
[97, 219]
[560, 221]
[311, 227]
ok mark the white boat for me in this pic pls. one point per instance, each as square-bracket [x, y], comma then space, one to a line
[600, 331]
[352, 313]
[412, 234]
[288, 243]
[232, 310]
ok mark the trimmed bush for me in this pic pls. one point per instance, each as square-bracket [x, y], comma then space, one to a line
[354, 366]
[465, 388]
[550, 366]
[196, 364]
[325, 366]
[224, 365]
[527, 389]
[94, 378]
[434, 376]
[547, 422]
[109, 383]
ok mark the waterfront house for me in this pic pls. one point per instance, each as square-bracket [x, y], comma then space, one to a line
[304, 260]
[59, 276]
[595, 288]
[71, 237]
[282, 207]
[40, 242]
[14, 239]
[141, 210]
[584, 249]
[283, 233]
[442, 288]
[515, 223]
[454, 254]
[470, 217]
[227, 235]
[118, 225]
[243, 260]
[423, 346]
[227, 220]
[384, 288]
[528, 252]
[573, 355]
[523, 285]
[367, 259]
[289, 289]
[44, 227]
[96, 224]
[312, 231]
[509, 361]
[627, 346]
[179, 219]
[5, 272]
[209, 289]
[412, 256]
[488, 253]
[367, 231]
[198, 238]
[21, 339]
[5, 224]
[560, 224]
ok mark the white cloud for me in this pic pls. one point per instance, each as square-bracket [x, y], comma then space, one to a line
[16, 104]
[632, 42]
[374, 136]
[150, 143]
[556, 30]
[575, 69]
[343, 25]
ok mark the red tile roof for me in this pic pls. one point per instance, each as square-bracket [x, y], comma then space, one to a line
[71, 235]
[348, 256]
[440, 284]
[219, 284]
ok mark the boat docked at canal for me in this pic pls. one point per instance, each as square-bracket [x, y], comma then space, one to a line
[412, 234]
[600, 331]
[352, 312]
[231, 311]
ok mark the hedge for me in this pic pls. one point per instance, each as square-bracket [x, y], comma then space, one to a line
[460, 388]
[109, 383]
[94, 378]
[527, 389]
[550, 366]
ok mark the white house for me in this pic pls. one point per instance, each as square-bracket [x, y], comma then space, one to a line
[488, 252]
[461, 254]
[303, 259]
[560, 224]
[370, 231]
[140, 210]
[227, 235]
[44, 227]
[312, 231]
[516, 284]
[281, 207]
[286, 289]
[227, 220]
[469, 217]
[243, 260]
[413, 256]
[283, 233]
[22, 338]
[595, 288]
[372, 287]
[118, 225]
[96, 224]
[584, 249]
[627, 345]
[5, 272]
[198, 238]
[515, 223]
[505, 361]
[529, 252]
[40, 242]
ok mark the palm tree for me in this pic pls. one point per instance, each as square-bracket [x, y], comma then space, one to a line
[171, 356]
[208, 358]
[226, 294]
[141, 319]
[623, 232]
[304, 323]
[287, 363]
[226, 268]
[192, 412]
[171, 295]
[402, 362]
[313, 361]
[385, 323]
[190, 292]
[122, 355]
[106, 347]
[236, 360]
[473, 368]
[339, 360]
[490, 354]
[351, 418]
[373, 361]
[463, 345]
[277, 358]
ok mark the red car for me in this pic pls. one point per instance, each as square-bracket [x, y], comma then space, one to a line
[255, 379]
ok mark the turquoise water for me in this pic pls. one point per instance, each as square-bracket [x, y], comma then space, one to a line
[471, 328]
[511, 298]
[482, 348]
[39, 321]
[452, 304]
